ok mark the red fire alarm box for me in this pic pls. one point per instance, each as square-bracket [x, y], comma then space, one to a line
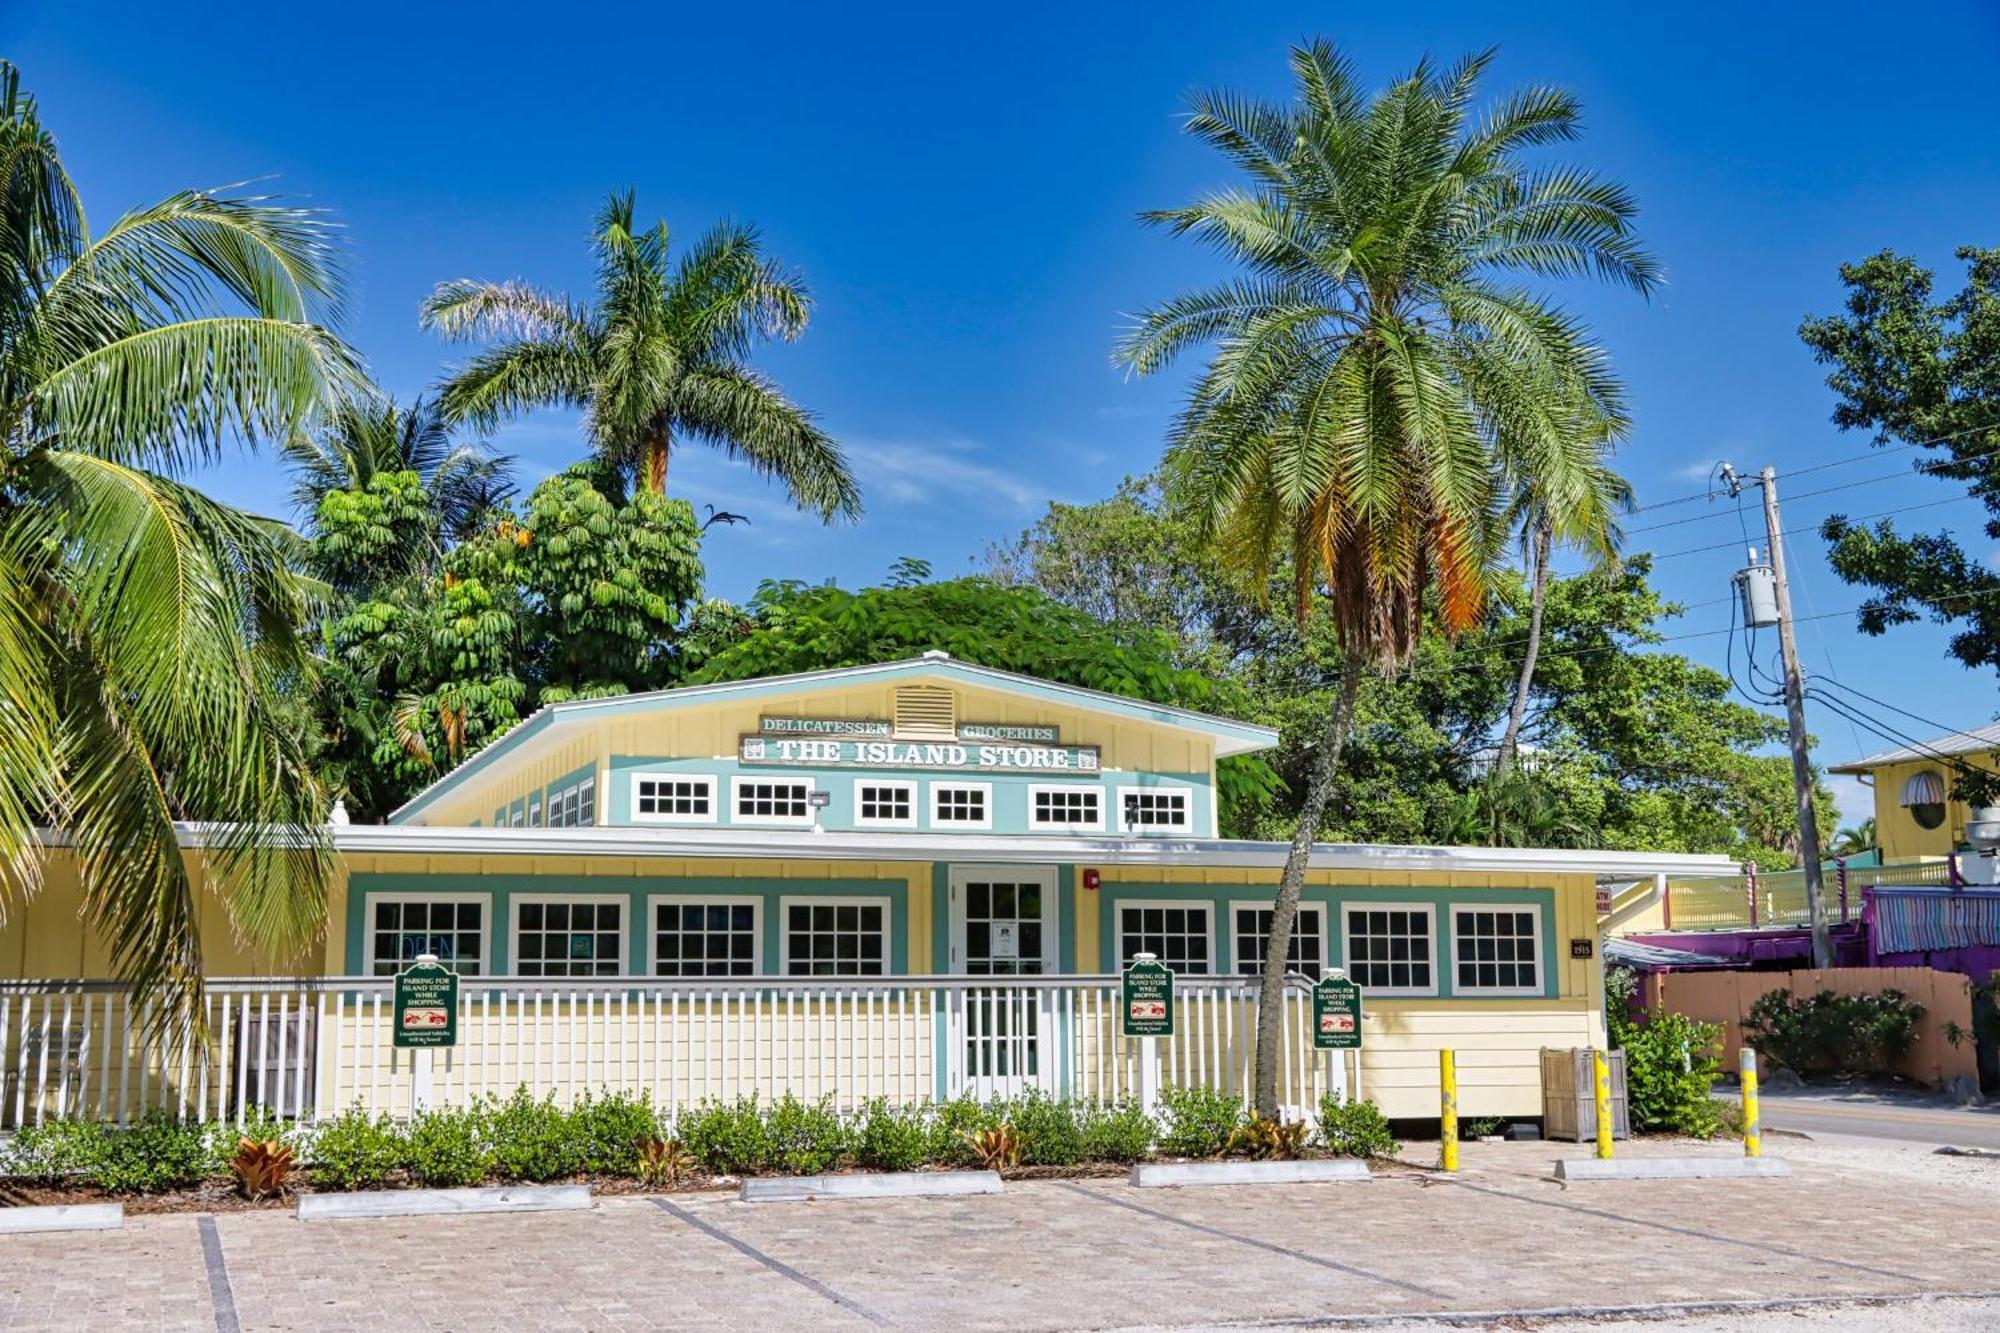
[1091, 879]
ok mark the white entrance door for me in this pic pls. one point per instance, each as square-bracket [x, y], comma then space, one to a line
[1003, 924]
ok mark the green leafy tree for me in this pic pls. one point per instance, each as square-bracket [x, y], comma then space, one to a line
[1381, 377]
[148, 634]
[1921, 372]
[661, 356]
[1855, 840]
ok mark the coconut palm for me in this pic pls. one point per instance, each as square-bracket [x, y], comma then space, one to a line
[660, 357]
[147, 632]
[1589, 524]
[1855, 840]
[1382, 373]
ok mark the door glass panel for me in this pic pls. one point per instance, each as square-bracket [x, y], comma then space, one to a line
[1003, 937]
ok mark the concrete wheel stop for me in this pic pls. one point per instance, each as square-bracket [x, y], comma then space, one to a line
[868, 1185]
[442, 1203]
[62, 1217]
[1671, 1168]
[1160, 1175]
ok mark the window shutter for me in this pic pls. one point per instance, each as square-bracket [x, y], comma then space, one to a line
[925, 713]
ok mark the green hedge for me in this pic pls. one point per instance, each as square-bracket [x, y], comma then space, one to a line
[522, 1138]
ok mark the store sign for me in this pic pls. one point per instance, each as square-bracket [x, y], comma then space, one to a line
[1146, 1001]
[426, 1005]
[822, 726]
[918, 754]
[1336, 1015]
[1007, 731]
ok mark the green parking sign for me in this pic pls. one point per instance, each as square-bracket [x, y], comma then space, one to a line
[1147, 1001]
[1336, 1015]
[426, 1005]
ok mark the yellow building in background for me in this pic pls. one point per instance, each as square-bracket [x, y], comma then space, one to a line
[1916, 816]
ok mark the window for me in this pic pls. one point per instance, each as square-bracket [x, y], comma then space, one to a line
[451, 926]
[517, 815]
[1175, 933]
[835, 937]
[535, 810]
[1496, 950]
[706, 937]
[1307, 955]
[885, 804]
[1079, 808]
[1156, 809]
[1389, 949]
[962, 804]
[569, 937]
[672, 799]
[773, 800]
[574, 806]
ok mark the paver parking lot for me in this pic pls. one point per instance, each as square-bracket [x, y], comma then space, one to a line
[1048, 1254]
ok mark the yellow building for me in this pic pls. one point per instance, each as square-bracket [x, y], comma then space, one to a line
[1916, 816]
[911, 879]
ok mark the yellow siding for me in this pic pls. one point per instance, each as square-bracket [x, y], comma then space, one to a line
[511, 781]
[1901, 837]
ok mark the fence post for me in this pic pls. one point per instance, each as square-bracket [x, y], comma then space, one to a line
[1600, 1070]
[1447, 1111]
[1753, 1136]
[1750, 886]
[1840, 874]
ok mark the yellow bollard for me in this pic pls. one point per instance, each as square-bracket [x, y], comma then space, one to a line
[1600, 1069]
[1753, 1133]
[1447, 1111]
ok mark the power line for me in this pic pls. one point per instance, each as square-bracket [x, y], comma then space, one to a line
[1814, 526]
[1878, 452]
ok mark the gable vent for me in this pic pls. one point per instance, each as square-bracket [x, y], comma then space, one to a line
[925, 713]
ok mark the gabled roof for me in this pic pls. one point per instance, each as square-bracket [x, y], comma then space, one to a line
[551, 721]
[1976, 741]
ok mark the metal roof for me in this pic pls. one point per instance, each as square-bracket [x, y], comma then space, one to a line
[1954, 742]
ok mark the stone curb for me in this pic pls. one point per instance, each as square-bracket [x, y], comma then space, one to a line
[1672, 1168]
[433, 1203]
[1159, 1175]
[868, 1185]
[62, 1217]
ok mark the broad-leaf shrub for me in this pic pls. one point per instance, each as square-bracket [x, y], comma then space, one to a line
[727, 1138]
[1197, 1122]
[446, 1148]
[159, 1153]
[532, 1139]
[609, 1127]
[1048, 1130]
[54, 1151]
[355, 1151]
[1120, 1132]
[892, 1138]
[1833, 1034]
[1354, 1128]
[803, 1138]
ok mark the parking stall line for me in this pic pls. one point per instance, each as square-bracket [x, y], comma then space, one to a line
[776, 1265]
[1693, 1232]
[1252, 1241]
[219, 1294]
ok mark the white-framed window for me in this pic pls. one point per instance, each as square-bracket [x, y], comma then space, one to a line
[569, 935]
[834, 937]
[574, 806]
[771, 801]
[1156, 809]
[535, 810]
[1496, 950]
[1391, 948]
[397, 927]
[881, 804]
[1251, 927]
[962, 805]
[673, 798]
[1077, 808]
[692, 935]
[517, 815]
[1180, 934]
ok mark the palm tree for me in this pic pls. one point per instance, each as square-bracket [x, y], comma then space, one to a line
[1855, 840]
[1589, 524]
[659, 357]
[371, 437]
[147, 632]
[1381, 369]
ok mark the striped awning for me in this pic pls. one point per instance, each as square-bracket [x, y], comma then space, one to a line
[1925, 788]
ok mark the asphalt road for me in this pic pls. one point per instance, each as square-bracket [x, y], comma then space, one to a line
[1884, 1118]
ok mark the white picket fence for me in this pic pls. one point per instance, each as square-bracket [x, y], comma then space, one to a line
[306, 1047]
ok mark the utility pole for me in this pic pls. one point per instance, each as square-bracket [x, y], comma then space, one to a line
[1795, 716]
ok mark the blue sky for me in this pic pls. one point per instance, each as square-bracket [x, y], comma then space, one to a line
[959, 184]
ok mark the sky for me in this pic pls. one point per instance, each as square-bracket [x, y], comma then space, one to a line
[959, 186]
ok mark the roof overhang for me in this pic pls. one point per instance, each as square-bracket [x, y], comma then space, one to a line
[554, 724]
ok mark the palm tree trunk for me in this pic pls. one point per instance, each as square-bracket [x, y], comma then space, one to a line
[1285, 909]
[1515, 716]
[658, 441]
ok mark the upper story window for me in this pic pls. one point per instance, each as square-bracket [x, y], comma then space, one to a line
[673, 798]
[885, 804]
[1080, 809]
[962, 805]
[1156, 809]
[535, 810]
[773, 801]
[574, 806]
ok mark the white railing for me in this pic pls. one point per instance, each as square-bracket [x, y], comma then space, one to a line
[304, 1048]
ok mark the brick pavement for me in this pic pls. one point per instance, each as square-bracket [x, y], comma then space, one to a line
[1043, 1255]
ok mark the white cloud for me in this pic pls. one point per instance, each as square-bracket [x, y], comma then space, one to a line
[904, 473]
[1699, 471]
